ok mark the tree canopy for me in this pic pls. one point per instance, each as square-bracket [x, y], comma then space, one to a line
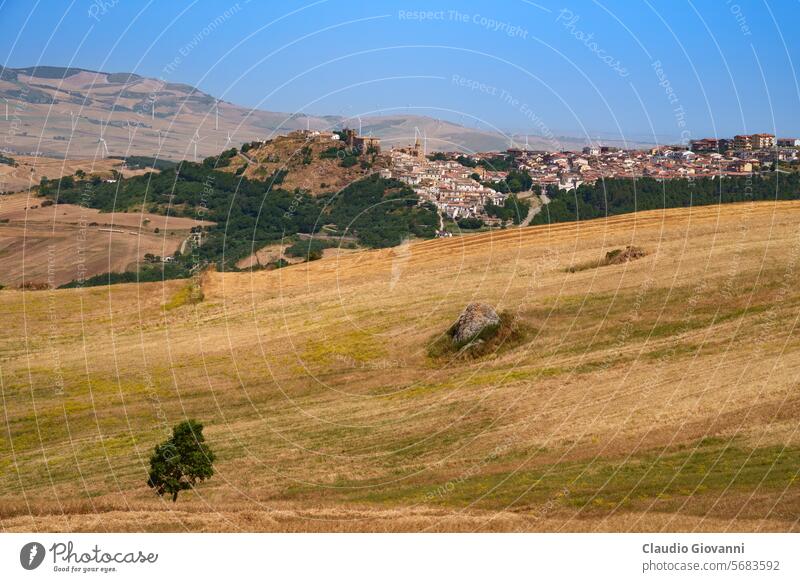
[181, 461]
[512, 209]
[622, 195]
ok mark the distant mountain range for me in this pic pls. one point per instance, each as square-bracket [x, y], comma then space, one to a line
[77, 113]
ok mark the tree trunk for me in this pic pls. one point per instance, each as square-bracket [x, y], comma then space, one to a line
[174, 497]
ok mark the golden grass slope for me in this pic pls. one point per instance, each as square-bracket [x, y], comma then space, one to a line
[656, 395]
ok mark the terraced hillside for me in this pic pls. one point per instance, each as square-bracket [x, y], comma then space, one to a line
[657, 394]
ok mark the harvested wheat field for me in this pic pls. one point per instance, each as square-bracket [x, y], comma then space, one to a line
[55, 244]
[655, 394]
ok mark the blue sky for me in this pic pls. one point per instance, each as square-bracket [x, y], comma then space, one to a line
[618, 68]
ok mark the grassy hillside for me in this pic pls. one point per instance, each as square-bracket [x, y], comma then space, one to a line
[250, 214]
[653, 395]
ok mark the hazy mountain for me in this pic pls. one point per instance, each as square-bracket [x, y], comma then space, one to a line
[59, 111]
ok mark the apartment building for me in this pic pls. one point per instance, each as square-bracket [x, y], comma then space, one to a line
[742, 142]
[762, 141]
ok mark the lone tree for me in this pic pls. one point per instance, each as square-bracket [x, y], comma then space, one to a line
[180, 461]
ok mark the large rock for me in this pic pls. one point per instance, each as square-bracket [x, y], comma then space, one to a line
[626, 255]
[475, 318]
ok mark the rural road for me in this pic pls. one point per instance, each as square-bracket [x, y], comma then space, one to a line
[534, 209]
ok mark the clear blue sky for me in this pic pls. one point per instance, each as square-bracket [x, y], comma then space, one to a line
[569, 68]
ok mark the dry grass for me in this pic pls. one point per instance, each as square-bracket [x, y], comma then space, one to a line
[30, 170]
[494, 339]
[654, 395]
[300, 157]
[56, 243]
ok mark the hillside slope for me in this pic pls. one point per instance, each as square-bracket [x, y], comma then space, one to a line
[63, 112]
[41, 245]
[315, 164]
[653, 395]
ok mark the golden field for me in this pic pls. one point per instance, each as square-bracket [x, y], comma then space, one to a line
[57, 244]
[656, 395]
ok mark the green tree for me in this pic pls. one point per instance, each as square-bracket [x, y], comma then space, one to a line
[512, 209]
[519, 181]
[470, 223]
[468, 162]
[180, 461]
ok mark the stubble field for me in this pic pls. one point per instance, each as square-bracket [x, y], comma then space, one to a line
[59, 243]
[656, 395]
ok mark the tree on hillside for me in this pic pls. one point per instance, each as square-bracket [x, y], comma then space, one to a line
[180, 461]
[470, 223]
[519, 181]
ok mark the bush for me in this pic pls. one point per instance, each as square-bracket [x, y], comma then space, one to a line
[331, 152]
[279, 264]
[612, 257]
[308, 249]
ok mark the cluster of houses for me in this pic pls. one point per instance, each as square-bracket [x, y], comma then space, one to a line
[449, 185]
[739, 156]
[458, 191]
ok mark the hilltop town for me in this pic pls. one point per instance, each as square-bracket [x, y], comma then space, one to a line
[340, 187]
[465, 186]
